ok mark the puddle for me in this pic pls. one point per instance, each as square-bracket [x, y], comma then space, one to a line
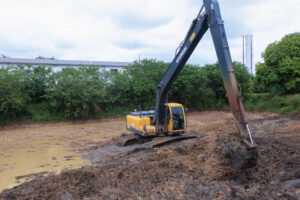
[18, 159]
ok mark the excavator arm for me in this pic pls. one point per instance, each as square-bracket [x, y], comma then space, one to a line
[209, 17]
[198, 28]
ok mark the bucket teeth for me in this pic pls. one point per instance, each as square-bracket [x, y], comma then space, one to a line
[249, 145]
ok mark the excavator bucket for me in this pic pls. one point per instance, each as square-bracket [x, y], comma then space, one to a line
[249, 145]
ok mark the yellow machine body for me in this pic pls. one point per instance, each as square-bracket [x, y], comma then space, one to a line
[140, 122]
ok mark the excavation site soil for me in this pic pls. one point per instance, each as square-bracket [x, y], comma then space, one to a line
[198, 168]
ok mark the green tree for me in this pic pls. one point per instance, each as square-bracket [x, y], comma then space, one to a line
[280, 73]
[38, 82]
[14, 97]
[77, 93]
[215, 85]
[190, 88]
[143, 78]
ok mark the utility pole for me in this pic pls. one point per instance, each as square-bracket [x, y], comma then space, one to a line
[243, 50]
[248, 52]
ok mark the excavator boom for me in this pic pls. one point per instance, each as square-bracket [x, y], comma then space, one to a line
[208, 18]
[169, 118]
[233, 94]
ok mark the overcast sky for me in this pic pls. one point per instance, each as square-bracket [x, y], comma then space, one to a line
[121, 30]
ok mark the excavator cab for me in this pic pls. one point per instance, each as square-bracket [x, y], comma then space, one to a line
[176, 119]
[140, 122]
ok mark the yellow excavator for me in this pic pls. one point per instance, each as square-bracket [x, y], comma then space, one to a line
[169, 119]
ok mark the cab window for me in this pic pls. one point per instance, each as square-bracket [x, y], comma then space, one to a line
[177, 118]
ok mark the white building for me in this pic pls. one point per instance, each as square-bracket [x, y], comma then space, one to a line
[58, 65]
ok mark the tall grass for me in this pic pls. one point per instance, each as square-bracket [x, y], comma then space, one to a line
[273, 103]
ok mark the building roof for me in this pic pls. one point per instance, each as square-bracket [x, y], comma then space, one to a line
[62, 62]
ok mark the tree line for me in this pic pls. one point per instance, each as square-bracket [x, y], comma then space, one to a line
[76, 93]
[40, 94]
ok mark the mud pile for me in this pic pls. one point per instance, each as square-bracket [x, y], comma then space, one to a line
[191, 169]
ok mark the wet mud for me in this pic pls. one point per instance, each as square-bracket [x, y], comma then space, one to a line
[199, 168]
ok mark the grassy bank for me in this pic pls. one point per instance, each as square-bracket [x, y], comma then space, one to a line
[273, 103]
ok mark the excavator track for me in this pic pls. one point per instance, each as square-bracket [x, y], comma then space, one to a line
[154, 142]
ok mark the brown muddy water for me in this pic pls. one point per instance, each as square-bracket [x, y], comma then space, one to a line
[29, 151]
[18, 159]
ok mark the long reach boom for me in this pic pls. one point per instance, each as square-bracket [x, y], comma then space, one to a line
[209, 17]
[170, 118]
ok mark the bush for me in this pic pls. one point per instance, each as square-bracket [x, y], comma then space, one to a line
[38, 82]
[76, 93]
[40, 112]
[14, 97]
[190, 88]
[280, 73]
[269, 102]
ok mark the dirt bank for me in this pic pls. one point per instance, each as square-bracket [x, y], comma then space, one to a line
[192, 169]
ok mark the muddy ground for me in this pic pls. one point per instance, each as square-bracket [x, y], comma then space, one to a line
[191, 169]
